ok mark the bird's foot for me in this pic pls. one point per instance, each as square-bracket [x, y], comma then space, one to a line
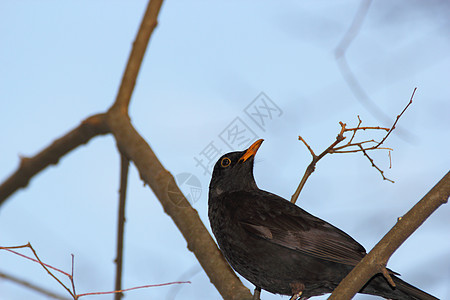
[257, 293]
[297, 290]
[296, 296]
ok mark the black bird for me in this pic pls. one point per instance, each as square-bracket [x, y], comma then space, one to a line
[278, 246]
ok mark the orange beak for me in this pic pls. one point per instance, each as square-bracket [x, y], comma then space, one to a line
[252, 150]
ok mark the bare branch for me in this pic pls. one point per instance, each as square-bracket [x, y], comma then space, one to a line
[362, 146]
[177, 207]
[72, 281]
[374, 165]
[72, 292]
[9, 249]
[312, 166]
[32, 286]
[133, 288]
[354, 131]
[30, 166]
[160, 180]
[398, 117]
[148, 24]
[124, 166]
[380, 254]
[44, 265]
[307, 146]
[390, 159]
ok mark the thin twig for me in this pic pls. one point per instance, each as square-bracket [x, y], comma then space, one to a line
[32, 286]
[189, 274]
[350, 145]
[307, 146]
[44, 265]
[363, 146]
[374, 165]
[72, 278]
[72, 293]
[50, 273]
[354, 131]
[124, 166]
[311, 167]
[133, 288]
[30, 258]
[367, 128]
[398, 117]
[390, 159]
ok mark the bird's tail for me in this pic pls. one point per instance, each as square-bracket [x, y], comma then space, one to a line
[412, 291]
[378, 285]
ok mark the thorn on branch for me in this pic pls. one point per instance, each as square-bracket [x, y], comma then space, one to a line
[23, 160]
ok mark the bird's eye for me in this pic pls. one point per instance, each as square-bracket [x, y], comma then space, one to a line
[225, 162]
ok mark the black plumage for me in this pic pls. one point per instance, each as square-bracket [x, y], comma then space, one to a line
[278, 246]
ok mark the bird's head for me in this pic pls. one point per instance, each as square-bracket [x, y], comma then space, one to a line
[234, 171]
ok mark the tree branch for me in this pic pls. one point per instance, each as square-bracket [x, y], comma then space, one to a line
[153, 173]
[72, 292]
[312, 166]
[333, 148]
[30, 166]
[124, 167]
[32, 286]
[160, 180]
[380, 254]
[148, 24]
[177, 207]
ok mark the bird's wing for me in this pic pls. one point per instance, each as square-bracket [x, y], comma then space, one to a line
[273, 218]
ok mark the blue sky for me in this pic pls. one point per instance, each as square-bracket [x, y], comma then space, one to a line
[206, 62]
